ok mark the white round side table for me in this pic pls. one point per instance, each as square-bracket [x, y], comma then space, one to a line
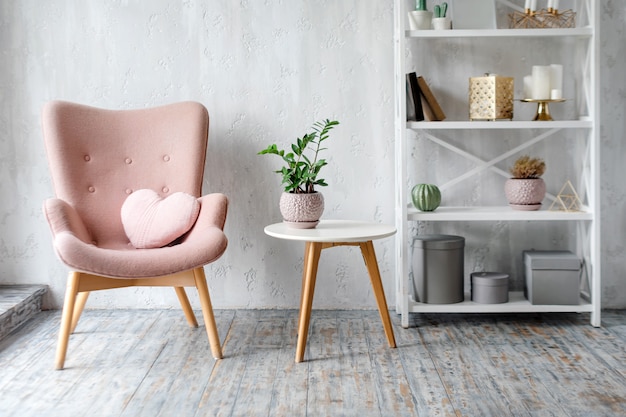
[328, 234]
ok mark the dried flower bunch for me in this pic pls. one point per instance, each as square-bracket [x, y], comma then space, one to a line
[527, 167]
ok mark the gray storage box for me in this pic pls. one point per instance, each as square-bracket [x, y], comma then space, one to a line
[438, 268]
[552, 277]
[490, 287]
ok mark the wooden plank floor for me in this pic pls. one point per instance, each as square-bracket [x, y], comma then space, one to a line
[150, 363]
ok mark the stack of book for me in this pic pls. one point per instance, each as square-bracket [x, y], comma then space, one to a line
[421, 103]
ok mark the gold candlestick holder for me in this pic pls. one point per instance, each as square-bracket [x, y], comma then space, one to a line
[543, 111]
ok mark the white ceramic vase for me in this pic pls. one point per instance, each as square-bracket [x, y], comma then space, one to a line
[420, 19]
[302, 211]
[442, 23]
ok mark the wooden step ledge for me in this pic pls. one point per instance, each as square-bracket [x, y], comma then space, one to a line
[18, 304]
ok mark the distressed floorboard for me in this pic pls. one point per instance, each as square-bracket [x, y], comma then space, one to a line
[255, 391]
[358, 388]
[571, 369]
[122, 360]
[151, 363]
[221, 393]
[183, 365]
[193, 378]
[290, 384]
[423, 388]
[322, 356]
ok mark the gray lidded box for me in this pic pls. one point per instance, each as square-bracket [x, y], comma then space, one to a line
[438, 262]
[552, 277]
[490, 287]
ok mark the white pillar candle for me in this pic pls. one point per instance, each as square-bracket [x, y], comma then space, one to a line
[528, 86]
[555, 4]
[533, 5]
[527, 5]
[556, 94]
[556, 77]
[541, 82]
[550, 5]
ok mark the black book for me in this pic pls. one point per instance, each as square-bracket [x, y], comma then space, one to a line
[414, 110]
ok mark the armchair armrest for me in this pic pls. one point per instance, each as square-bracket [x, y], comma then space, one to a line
[213, 210]
[62, 217]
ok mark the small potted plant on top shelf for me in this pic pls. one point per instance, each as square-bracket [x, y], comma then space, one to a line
[440, 20]
[300, 204]
[526, 189]
[420, 18]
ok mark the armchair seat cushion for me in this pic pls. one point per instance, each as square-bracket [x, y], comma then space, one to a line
[151, 221]
[203, 244]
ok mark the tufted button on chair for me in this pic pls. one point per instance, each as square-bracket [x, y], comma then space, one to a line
[97, 159]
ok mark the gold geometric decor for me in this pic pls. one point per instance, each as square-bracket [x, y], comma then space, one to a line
[542, 19]
[567, 199]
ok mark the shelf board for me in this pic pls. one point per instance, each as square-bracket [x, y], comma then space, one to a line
[517, 304]
[495, 213]
[501, 124]
[584, 32]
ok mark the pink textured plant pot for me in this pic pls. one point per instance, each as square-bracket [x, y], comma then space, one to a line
[525, 194]
[302, 210]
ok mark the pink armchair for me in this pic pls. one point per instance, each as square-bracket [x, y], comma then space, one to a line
[97, 159]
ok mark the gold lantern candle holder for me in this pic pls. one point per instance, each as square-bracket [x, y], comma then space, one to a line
[491, 97]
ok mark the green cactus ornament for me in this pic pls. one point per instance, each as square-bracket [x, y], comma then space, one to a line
[420, 5]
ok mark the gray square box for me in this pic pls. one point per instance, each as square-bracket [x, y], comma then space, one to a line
[552, 277]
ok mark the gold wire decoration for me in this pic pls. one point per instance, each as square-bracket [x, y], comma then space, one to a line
[567, 199]
[542, 19]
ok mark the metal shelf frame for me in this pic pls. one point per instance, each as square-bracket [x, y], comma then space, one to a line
[587, 220]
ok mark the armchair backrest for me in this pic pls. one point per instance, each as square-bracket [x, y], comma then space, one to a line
[98, 157]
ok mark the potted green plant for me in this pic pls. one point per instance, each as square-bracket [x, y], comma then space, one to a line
[300, 204]
[526, 189]
[420, 18]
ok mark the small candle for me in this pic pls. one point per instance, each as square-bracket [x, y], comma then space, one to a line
[556, 94]
[541, 82]
[550, 5]
[555, 5]
[556, 77]
[533, 5]
[528, 86]
[527, 6]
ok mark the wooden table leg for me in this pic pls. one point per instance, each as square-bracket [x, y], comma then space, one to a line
[312, 257]
[306, 257]
[367, 249]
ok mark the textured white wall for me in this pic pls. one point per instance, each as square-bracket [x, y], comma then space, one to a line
[265, 70]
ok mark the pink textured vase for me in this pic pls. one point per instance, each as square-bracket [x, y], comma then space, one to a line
[525, 194]
[302, 211]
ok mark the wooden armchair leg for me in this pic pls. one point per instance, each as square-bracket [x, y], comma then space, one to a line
[81, 300]
[207, 312]
[184, 303]
[66, 318]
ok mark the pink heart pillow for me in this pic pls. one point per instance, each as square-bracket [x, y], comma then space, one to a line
[151, 221]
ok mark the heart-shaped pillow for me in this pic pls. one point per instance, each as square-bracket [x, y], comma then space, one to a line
[151, 221]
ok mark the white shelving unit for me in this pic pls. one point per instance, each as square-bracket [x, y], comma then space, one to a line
[585, 127]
